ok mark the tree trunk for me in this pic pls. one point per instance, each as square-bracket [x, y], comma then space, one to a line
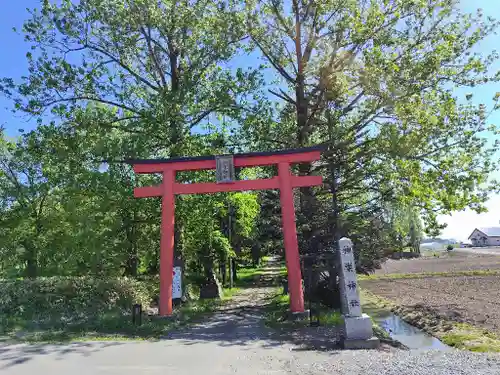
[224, 273]
[154, 263]
[31, 268]
[31, 255]
[307, 210]
[131, 266]
[335, 207]
[178, 238]
[256, 254]
[234, 269]
[132, 262]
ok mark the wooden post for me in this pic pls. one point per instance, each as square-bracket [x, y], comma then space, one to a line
[290, 239]
[167, 243]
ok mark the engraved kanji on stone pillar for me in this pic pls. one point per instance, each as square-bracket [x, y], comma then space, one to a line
[357, 329]
[349, 289]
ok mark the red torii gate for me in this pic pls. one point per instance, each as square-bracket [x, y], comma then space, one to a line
[285, 182]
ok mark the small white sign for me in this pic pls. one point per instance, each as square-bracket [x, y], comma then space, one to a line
[177, 283]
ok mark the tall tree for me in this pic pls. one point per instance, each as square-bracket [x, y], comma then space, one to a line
[374, 81]
[131, 79]
[27, 211]
[148, 69]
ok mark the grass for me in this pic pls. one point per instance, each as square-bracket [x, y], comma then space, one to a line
[117, 325]
[113, 325]
[432, 253]
[230, 293]
[330, 318]
[110, 326]
[277, 310]
[373, 305]
[381, 333]
[250, 275]
[394, 276]
[465, 336]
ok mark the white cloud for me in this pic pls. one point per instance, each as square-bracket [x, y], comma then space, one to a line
[461, 224]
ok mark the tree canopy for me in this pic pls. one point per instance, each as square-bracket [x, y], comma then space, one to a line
[375, 82]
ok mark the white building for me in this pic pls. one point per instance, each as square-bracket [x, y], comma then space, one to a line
[485, 236]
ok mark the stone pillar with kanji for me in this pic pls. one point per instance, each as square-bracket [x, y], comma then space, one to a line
[357, 330]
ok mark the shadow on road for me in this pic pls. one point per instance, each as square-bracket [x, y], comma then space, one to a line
[12, 355]
[244, 326]
[242, 322]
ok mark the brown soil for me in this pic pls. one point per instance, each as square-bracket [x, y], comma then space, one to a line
[448, 263]
[468, 299]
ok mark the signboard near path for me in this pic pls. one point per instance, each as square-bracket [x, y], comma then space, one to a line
[224, 169]
[177, 283]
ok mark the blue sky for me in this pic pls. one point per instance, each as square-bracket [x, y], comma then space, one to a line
[13, 64]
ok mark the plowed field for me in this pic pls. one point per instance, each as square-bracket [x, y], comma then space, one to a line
[452, 263]
[469, 299]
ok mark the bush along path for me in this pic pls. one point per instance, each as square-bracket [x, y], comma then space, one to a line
[81, 309]
[61, 309]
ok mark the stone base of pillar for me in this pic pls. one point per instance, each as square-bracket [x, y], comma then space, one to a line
[297, 316]
[357, 333]
[371, 343]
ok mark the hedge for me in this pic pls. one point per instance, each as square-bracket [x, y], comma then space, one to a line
[72, 299]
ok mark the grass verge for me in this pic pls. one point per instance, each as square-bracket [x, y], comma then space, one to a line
[458, 335]
[394, 276]
[276, 314]
[465, 336]
[277, 311]
[115, 326]
[114, 323]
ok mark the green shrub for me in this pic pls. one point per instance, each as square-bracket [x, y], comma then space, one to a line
[71, 299]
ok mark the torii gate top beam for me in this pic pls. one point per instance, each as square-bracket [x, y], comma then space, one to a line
[251, 159]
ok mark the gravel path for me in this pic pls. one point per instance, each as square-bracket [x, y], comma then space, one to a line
[236, 341]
